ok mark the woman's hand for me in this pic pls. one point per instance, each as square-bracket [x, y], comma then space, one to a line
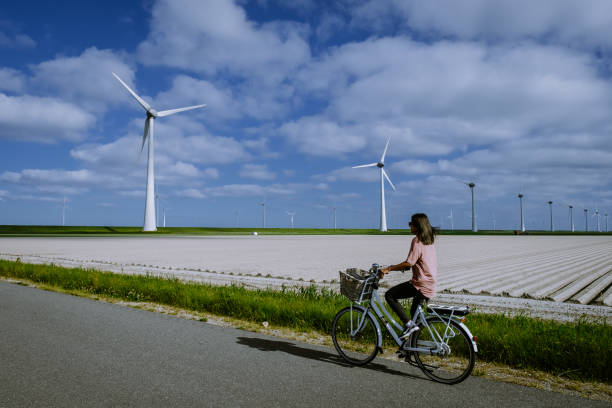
[382, 272]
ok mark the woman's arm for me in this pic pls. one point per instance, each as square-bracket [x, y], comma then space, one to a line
[399, 267]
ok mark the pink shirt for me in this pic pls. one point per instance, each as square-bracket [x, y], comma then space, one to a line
[424, 267]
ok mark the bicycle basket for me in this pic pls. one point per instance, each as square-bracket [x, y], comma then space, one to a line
[352, 285]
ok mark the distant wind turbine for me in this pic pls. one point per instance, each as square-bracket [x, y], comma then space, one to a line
[64, 212]
[383, 176]
[571, 214]
[550, 203]
[334, 217]
[586, 219]
[520, 196]
[596, 215]
[263, 206]
[452, 224]
[471, 185]
[149, 217]
[164, 224]
[291, 214]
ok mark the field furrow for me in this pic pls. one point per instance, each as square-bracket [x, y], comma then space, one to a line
[561, 268]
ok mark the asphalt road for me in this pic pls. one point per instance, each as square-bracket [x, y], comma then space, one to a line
[61, 350]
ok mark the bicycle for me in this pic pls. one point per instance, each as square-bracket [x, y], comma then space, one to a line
[443, 347]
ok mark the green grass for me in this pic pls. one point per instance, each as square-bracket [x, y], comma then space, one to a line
[581, 350]
[27, 230]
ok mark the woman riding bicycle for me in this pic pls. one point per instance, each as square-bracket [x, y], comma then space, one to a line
[422, 260]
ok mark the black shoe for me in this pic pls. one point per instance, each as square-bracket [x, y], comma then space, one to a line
[410, 328]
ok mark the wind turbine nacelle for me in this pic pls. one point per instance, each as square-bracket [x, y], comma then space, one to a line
[381, 165]
[152, 112]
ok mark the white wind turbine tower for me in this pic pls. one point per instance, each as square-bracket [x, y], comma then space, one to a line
[291, 214]
[263, 206]
[383, 176]
[64, 212]
[471, 185]
[550, 203]
[596, 215]
[451, 220]
[149, 217]
[520, 196]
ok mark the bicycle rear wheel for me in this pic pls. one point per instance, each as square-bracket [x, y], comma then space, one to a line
[454, 360]
[355, 336]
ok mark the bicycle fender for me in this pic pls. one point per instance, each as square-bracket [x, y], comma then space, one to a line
[376, 325]
[470, 335]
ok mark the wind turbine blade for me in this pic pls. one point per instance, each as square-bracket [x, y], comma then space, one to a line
[382, 159]
[144, 135]
[388, 179]
[138, 98]
[173, 111]
[366, 165]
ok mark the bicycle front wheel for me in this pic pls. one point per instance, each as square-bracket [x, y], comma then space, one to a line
[451, 357]
[355, 336]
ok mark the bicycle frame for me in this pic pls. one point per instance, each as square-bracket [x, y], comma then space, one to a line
[380, 313]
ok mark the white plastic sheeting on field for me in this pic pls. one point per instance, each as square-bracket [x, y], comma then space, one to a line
[559, 268]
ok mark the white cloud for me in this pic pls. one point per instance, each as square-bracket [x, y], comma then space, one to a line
[257, 171]
[216, 36]
[217, 40]
[38, 176]
[11, 80]
[445, 99]
[561, 21]
[412, 167]
[190, 193]
[31, 118]
[30, 197]
[181, 140]
[86, 79]
[343, 198]
[245, 190]
[133, 193]
[16, 40]
[220, 103]
[321, 137]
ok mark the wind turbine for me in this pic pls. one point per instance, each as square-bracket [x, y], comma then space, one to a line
[149, 217]
[586, 219]
[471, 185]
[606, 215]
[335, 217]
[571, 212]
[383, 176]
[596, 215]
[451, 220]
[64, 212]
[291, 214]
[551, 222]
[164, 218]
[263, 206]
[520, 196]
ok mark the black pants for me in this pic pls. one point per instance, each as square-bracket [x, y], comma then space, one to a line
[403, 291]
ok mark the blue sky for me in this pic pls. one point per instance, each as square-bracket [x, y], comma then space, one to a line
[515, 96]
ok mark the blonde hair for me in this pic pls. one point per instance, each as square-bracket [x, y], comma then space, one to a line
[423, 229]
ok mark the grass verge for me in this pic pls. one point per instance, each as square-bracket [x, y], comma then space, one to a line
[580, 350]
